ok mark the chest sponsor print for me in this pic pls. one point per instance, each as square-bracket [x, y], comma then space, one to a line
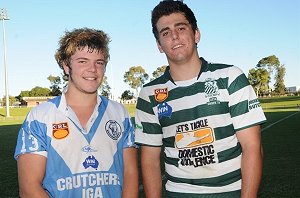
[194, 138]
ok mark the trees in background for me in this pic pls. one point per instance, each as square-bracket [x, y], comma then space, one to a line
[260, 76]
[127, 95]
[136, 76]
[36, 92]
[279, 87]
[158, 72]
[55, 85]
[105, 88]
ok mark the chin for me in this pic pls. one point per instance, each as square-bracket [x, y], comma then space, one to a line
[89, 91]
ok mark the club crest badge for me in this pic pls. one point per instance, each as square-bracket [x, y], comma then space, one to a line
[113, 129]
[60, 130]
[161, 94]
[211, 87]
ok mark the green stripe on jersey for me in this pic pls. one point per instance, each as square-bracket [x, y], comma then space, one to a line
[224, 132]
[230, 153]
[151, 128]
[144, 106]
[240, 82]
[239, 108]
[223, 180]
[233, 194]
[199, 111]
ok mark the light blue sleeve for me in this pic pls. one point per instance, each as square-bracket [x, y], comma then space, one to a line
[129, 135]
[31, 137]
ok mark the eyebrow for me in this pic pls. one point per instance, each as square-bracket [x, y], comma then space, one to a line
[83, 58]
[176, 25]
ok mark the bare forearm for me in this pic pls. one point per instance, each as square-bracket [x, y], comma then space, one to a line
[131, 183]
[131, 189]
[31, 171]
[33, 192]
[152, 180]
[251, 174]
[150, 163]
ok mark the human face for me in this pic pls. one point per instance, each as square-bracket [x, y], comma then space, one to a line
[86, 71]
[177, 38]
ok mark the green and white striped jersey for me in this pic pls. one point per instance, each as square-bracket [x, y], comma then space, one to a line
[196, 122]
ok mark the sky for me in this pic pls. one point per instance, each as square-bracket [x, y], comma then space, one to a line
[232, 32]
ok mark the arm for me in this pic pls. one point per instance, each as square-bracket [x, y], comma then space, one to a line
[251, 160]
[131, 183]
[31, 171]
[150, 162]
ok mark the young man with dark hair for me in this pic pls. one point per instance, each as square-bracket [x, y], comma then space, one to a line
[205, 116]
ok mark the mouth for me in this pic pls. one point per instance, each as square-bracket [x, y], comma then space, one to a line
[89, 78]
[177, 46]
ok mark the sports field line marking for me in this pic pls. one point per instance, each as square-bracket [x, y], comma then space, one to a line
[279, 121]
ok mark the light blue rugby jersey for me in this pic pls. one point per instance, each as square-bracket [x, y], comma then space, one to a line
[80, 163]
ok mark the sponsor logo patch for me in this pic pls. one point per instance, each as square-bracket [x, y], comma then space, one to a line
[161, 94]
[90, 161]
[113, 129]
[60, 130]
[194, 138]
[164, 109]
[88, 149]
[253, 104]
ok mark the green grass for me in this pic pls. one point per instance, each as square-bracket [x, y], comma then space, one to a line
[275, 104]
[281, 173]
[17, 115]
[130, 108]
[8, 166]
[281, 141]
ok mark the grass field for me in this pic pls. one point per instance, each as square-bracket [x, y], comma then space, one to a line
[280, 139]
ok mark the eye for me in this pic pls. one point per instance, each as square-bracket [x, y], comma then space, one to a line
[181, 28]
[165, 33]
[100, 63]
[82, 62]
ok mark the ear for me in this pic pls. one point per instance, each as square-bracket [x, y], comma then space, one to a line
[159, 47]
[197, 35]
[66, 68]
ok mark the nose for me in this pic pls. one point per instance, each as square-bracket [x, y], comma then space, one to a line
[174, 34]
[93, 67]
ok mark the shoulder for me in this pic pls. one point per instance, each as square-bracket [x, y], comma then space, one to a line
[225, 70]
[157, 81]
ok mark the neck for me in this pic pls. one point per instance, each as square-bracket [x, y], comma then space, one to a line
[82, 104]
[185, 70]
[80, 99]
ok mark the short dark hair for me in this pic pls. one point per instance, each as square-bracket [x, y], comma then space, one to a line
[167, 7]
